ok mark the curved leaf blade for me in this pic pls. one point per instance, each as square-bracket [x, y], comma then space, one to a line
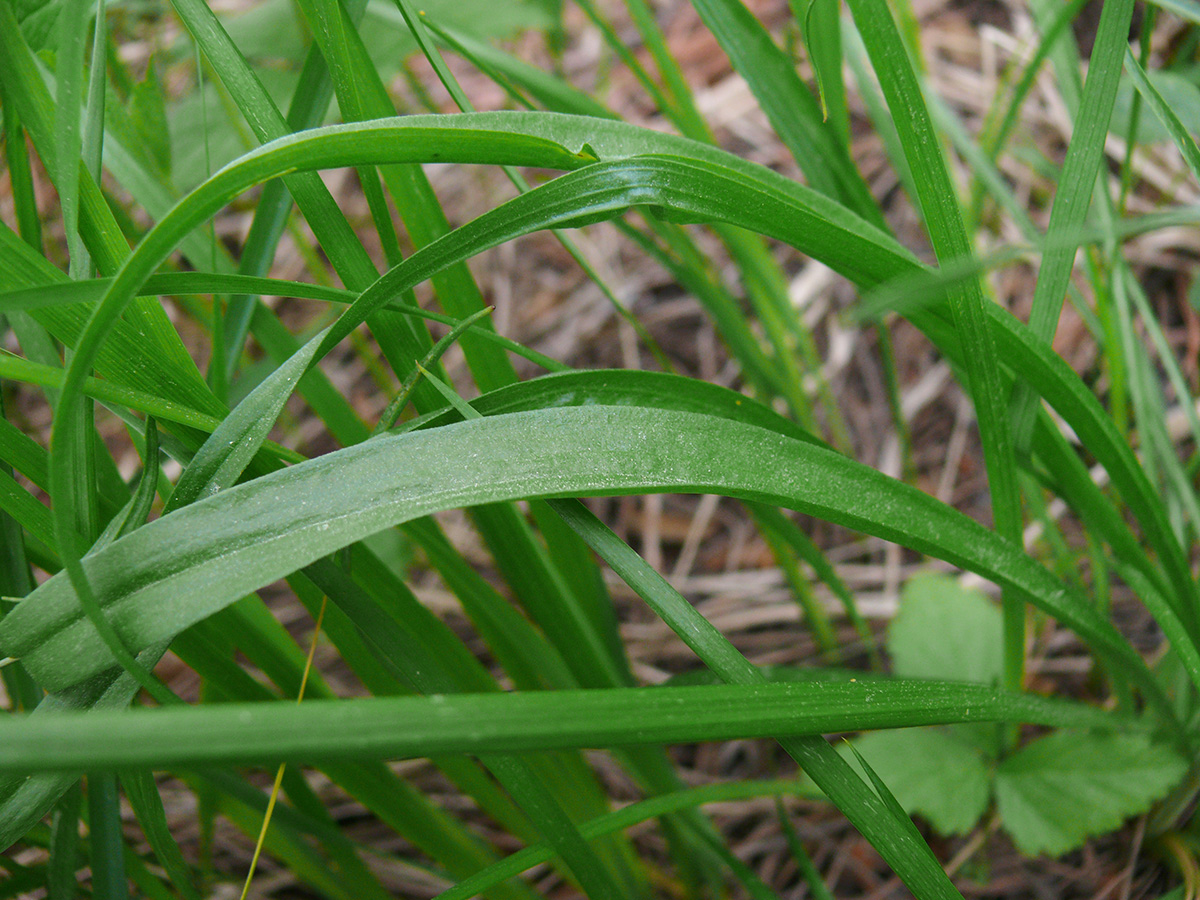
[187, 565]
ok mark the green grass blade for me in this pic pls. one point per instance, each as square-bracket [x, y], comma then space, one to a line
[410, 647]
[62, 882]
[822, 32]
[16, 575]
[633, 388]
[107, 843]
[903, 849]
[399, 806]
[67, 429]
[507, 71]
[228, 451]
[68, 107]
[24, 87]
[134, 514]
[23, 453]
[800, 543]
[142, 793]
[184, 283]
[1076, 184]
[1159, 456]
[29, 223]
[936, 197]
[863, 254]
[682, 106]
[522, 860]
[693, 127]
[18, 369]
[808, 871]
[793, 112]
[501, 722]
[24, 509]
[92, 138]
[264, 118]
[1073, 482]
[212, 567]
[362, 95]
[530, 660]
[1179, 133]
[1152, 420]
[876, 107]
[859, 256]
[996, 132]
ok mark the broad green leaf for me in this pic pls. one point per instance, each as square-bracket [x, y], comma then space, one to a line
[1058, 791]
[620, 139]
[945, 631]
[187, 565]
[932, 773]
[103, 321]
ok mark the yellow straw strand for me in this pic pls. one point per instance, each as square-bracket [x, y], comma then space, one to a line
[262, 834]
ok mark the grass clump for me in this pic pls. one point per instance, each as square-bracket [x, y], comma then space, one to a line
[226, 534]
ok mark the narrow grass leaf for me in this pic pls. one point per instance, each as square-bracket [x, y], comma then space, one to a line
[68, 102]
[220, 462]
[134, 514]
[790, 107]
[1179, 133]
[62, 878]
[822, 32]
[910, 858]
[16, 156]
[1076, 184]
[24, 87]
[808, 872]
[937, 199]
[107, 843]
[634, 813]
[398, 727]
[996, 132]
[503, 68]
[108, 392]
[142, 793]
